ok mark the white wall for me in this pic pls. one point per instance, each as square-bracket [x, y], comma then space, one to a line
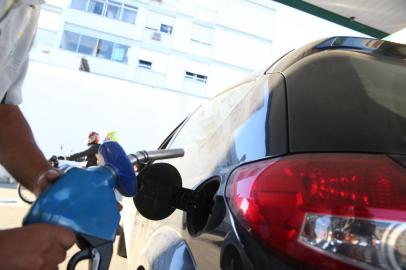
[176, 71]
[50, 20]
[182, 29]
[221, 78]
[246, 16]
[239, 50]
[63, 105]
[159, 60]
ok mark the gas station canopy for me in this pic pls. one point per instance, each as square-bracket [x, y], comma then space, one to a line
[376, 18]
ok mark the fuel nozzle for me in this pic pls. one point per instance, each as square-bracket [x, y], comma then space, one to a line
[83, 201]
[144, 157]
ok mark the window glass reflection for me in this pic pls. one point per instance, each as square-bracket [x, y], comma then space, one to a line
[96, 7]
[129, 16]
[79, 4]
[87, 45]
[113, 10]
[94, 47]
[120, 53]
[166, 29]
[70, 41]
[104, 49]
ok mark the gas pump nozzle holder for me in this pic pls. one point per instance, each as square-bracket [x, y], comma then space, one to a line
[83, 200]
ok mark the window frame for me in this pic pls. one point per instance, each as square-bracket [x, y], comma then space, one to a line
[168, 27]
[85, 6]
[95, 49]
[130, 8]
[173, 134]
[100, 43]
[145, 66]
[106, 3]
[195, 77]
[114, 4]
[76, 45]
[79, 43]
[115, 45]
[97, 1]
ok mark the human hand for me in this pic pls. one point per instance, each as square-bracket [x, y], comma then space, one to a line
[34, 247]
[46, 178]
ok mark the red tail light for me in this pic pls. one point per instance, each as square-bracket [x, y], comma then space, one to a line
[325, 211]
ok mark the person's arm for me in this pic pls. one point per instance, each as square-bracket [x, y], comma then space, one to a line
[20, 154]
[44, 245]
[37, 246]
[75, 158]
[92, 150]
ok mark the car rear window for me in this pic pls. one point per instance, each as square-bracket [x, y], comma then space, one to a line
[347, 101]
[210, 117]
[229, 129]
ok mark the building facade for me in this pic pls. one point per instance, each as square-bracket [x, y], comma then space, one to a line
[196, 47]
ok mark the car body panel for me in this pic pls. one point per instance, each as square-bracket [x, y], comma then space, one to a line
[266, 115]
[270, 115]
[164, 249]
[358, 111]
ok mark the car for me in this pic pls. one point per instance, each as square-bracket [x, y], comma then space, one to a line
[300, 166]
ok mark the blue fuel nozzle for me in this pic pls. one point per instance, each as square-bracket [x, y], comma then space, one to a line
[83, 201]
[115, 158]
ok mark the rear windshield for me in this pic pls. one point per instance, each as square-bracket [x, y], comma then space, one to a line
[347, 101]
[229, 129]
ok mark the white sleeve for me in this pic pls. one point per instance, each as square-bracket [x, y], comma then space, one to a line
[22, 18]
[13, 95]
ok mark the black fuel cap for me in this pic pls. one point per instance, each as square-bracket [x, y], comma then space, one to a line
[157, 184]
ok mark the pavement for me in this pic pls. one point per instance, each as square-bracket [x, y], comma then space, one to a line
[12, 211]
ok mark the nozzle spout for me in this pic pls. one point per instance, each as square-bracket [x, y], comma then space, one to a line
[147, 156]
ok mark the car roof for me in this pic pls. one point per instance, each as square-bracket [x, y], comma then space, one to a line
[355, 44]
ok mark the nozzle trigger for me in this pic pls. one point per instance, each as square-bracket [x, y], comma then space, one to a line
[99, 253]
[79, 256]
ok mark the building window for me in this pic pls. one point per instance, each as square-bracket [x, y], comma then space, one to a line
[144, 64]
[96, 7]
[87, 45]
[129, 14]
[120, 53]
[94, 46]
[196, 77]
[70, 41]
[111, 9]
[79, 4]
[163, 29]
[104, 49]
[166, 29]
[160, 24]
